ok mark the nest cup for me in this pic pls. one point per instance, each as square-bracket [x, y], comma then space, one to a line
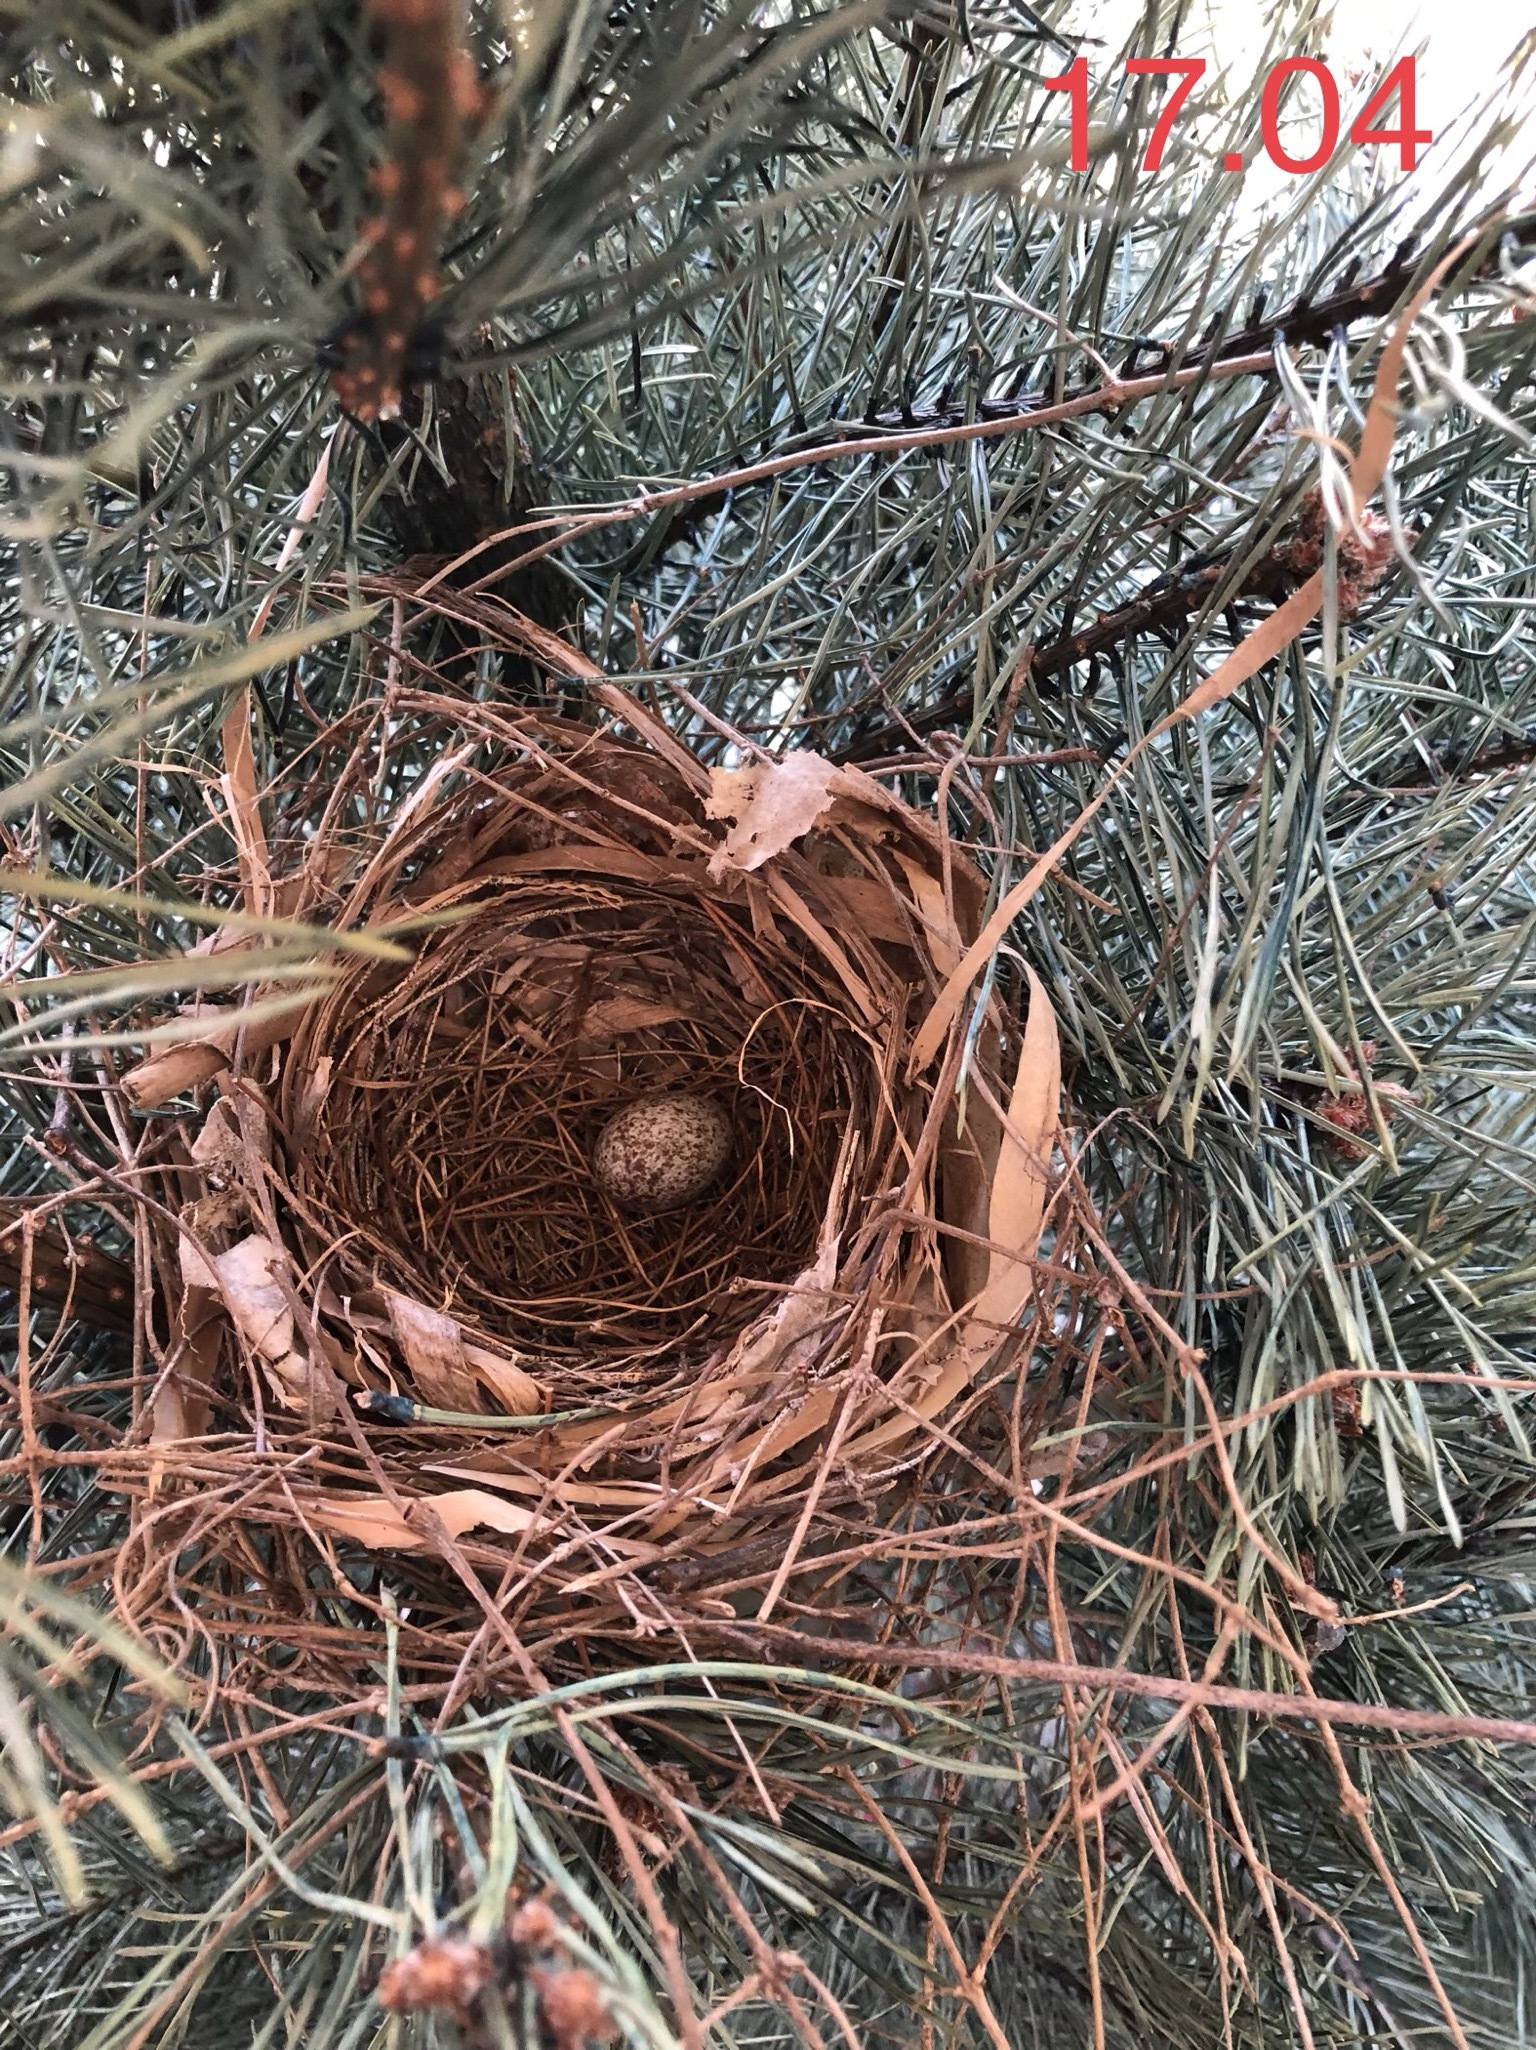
[452, 1154]
[421, 1322]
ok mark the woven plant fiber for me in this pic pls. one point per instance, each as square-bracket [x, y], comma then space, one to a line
[407, 1320]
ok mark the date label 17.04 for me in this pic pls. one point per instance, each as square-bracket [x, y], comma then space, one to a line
[1184, 73]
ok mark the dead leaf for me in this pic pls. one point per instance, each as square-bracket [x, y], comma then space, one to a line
[433, 1346]
[467, 1508]
[612, 1017]
[317, 1087]
[1015, 1214]
[1022, 1176]
[607, 1495]
[967, 1163]
[515, 1390]
[180, 1406]
[381, 1526]
[772, 803]
[249, 1276]
[219, 1148]
[369, 1519]
[238, 784]
[934, 914]
[864, 906]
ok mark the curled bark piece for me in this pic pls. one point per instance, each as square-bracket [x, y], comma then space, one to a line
[215, 1033]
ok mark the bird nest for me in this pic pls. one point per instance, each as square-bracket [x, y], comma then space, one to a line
[409, 1321]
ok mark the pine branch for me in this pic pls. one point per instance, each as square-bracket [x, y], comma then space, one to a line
[1304, 321]
[98, 1288]
[1165, 607]
[1172, 599]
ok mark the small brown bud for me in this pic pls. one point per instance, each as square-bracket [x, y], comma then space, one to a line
[463, 89]
[572, 2008]
[534, 1926]
[443, 1973]
[1346, 1411]
[402, 100]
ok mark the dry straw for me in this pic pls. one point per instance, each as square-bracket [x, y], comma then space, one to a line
[408, 1321]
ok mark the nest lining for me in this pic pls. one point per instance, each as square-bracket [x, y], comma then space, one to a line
[452, 1155]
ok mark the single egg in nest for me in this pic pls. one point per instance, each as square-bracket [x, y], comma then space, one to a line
[662, 1151]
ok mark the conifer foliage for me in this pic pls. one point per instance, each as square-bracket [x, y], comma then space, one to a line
[551, 548]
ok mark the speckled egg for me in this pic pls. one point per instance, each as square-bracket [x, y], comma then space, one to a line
[662, 1151]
